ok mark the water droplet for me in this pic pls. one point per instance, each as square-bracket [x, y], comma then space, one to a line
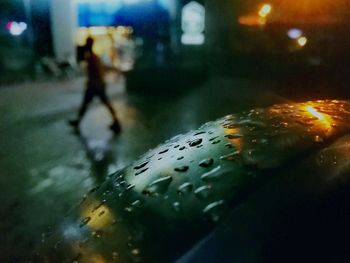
[181, 169]
[195, 142]
[102, 213]
[142, 171]
[98, 206]
[141, 165]
[216, 142]
[185, 188]
[115, 255]
[136, 203]
[320, 159]
[177, 146]
[136, 251]
[158, 186]
[122, 183]
[213, 138]
[129, 187]
[107, 192]
[215, 210]
[180, 158]
[85, 221]
[164, 151]
[97, 233]
[94, 189]
[234, 136]
[231, 126]
[230, 157]
[182, 148]
[203, 191]
[212, 175]
[199, 133]
[229, 145]
[176, 206]
[206, 162]
[335, 161]
[136, 255]
[128, 209]
[318, 138]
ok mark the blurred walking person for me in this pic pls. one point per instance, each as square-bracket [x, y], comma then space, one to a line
[95, 87]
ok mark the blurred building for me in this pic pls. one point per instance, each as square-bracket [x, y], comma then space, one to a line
[275, 34]
[166, 38]
[150, 23]
[157, 33]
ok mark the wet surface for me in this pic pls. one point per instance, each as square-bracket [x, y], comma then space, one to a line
[300, 215]
[46, 168]
[149, 207]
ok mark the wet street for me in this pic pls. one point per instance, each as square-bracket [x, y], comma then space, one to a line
[230, 140]
[46, 168]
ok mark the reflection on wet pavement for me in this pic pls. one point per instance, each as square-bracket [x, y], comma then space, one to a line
[158, 207]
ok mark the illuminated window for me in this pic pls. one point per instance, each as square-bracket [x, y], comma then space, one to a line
[193, 24]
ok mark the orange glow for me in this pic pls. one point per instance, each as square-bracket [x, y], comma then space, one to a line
[252, 21]
[311, 11]
[236, 142]
[313, 7]
[97, 259]
[324, 120]
[265, 10]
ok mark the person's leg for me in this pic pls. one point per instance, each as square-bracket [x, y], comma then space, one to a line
[107, 103]
[115, 125]
[88, 96]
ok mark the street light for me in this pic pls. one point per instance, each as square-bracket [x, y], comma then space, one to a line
[265, 10]
[302, 41]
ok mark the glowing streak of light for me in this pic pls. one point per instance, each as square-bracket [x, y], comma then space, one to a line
[315, 113]
[251, 21]
[324, 121]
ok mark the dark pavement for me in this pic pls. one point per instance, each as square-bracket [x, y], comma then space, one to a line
[46, 168]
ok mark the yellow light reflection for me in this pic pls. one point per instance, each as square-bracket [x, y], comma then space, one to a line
[315, 113]
[265, 10]
[236, 142]
[99, 218]
[302, 41]
[324, 121]
[97, 259]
